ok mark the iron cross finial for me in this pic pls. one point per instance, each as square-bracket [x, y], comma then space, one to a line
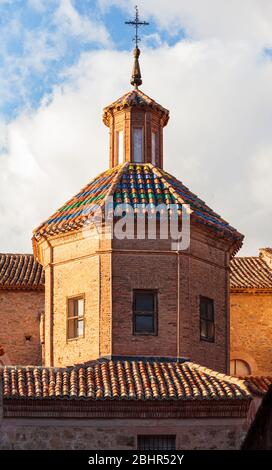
[136, 78]
[137, 23]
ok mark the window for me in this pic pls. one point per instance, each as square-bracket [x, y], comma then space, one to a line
[138, 145]
[239, 368]
[206, 319]
[145, 312]
[157, 442]
[120, 146]
[75, 320]
[154, 146]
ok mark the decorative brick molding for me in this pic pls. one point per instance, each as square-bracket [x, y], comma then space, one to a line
[109, 409]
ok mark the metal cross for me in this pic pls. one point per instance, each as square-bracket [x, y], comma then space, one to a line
[137, 23]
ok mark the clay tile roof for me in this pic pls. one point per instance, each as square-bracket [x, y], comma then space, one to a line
[126, 379]
[20, 271]
[258, 384]
[250, 272]
[134, 184]
[135, 98]
[2, 351]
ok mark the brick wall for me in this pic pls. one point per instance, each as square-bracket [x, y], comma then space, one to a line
[20, 313]
[143, 264]
[251, 330]
[103, 434]
[107, 271]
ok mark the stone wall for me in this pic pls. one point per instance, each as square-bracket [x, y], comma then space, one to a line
[103, 434]
[251, 330]
[20, 313]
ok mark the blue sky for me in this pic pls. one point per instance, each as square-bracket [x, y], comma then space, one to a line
[207, 61]
[30, 28]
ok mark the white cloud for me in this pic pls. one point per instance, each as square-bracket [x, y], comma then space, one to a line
[243, 20]
[71, 22]
[43, 49]
[218, 141]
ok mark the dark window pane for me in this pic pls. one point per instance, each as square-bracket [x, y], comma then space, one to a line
[202, 309]
[144, 323]
[157, 442]
[144, 302]
[71, 308]
[207, 330]
[210, 310]
[210, 331]
[203, 329]
[72, 328]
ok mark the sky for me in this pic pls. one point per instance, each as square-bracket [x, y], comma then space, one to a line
[208, 61]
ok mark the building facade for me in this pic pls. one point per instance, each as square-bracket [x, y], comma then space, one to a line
[251, 314]
[135, 295]
[128, 314]
[145, 404]
[21, 308]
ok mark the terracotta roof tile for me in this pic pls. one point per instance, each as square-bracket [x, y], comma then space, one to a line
[127, 379]
[134, 184]
[19, 271]
[258, 384]
[135, 98]
[250, 272]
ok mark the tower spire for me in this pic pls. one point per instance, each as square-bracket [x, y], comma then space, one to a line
[136, 78]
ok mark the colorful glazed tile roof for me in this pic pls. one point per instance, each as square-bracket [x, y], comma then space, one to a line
[123, 379]
[250, 273]
[258, 384]
[134, 184]
[135, 98]
[22, 272]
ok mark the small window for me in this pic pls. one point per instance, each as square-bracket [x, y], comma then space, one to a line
[206, 319]
[239, 368]
[138, 144]
[154, 146]
[120, 146]
[157, 442]
[75, 320]
[145, 312]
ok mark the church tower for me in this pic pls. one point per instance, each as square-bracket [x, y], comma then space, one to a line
[135, 295]
[136, 125]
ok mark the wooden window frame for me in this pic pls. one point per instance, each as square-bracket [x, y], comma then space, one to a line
[75, 297]
[206, 300]
[142, 312]
[236, 361]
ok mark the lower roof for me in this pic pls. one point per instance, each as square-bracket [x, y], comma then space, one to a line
[138, 379]
[259, 385]
[250, 273]
[20, 272]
